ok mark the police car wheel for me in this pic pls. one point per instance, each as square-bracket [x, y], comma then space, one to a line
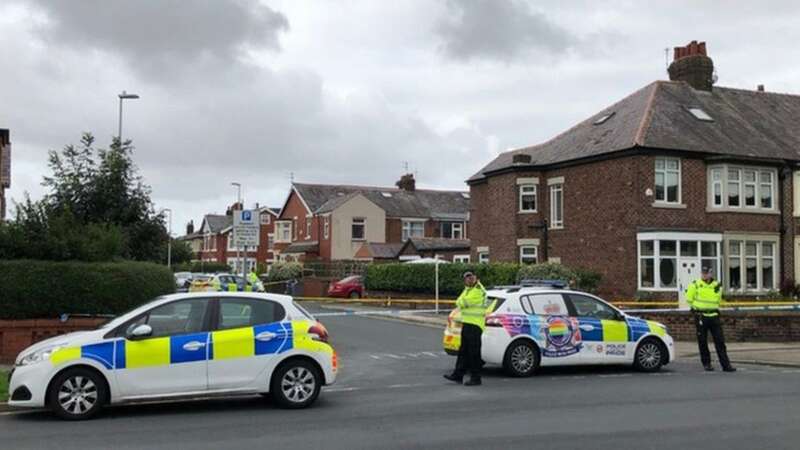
[296, 384]
[521, 359]
[649, 356]
[77, 394]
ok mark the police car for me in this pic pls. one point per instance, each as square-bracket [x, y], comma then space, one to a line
[182, 345]
[531, 326]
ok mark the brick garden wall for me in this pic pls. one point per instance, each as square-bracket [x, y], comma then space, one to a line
[16, 335]
[737, 326]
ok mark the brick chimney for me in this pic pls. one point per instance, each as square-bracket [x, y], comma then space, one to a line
[692, 65]
[190, 227]
[407, 183]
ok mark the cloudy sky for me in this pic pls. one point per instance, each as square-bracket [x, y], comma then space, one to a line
[347, 91]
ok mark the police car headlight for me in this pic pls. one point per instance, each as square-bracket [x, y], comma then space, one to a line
[38, 356]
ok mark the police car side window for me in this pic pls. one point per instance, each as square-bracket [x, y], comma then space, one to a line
[245, 312]
[525, 303]
[181, 317]
[585, 306]
[549, 305]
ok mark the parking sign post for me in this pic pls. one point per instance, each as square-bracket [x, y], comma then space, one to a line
[245, 232]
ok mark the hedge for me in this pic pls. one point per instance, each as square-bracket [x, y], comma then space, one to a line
[420, 278]
[201, 267]
[404, 277]
[282, 271]
[31, 289]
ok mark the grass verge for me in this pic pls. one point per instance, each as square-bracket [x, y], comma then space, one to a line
[3, 386]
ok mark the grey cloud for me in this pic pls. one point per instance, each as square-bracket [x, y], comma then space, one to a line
[498, 30]
[159, 38]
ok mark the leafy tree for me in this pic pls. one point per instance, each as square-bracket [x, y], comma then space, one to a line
[97, 208]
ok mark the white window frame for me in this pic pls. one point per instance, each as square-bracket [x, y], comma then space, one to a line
[461, 259]
[523, 256]
[678, 237]
[528, 190]
[359, 221]
[283, 227]
[556, 214]
[309, 222]
[741, 242]
[453, 226]
[664, 172]
[407, 228]
[726, 170]
[294, 229]
[326, 227]
[266, 219]
[270, 240]
[483, 257]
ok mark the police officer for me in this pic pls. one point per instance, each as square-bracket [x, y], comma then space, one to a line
[472, 304]
[704, 298]
[252, 278]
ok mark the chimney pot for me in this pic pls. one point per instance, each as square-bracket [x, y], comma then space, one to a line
[693, 66]
[760, 88]
[407, 183]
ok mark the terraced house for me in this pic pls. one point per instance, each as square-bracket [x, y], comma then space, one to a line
[216, 235]
[678, 175]
[344, 222]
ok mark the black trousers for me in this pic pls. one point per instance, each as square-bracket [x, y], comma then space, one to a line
[712, 324]
[469, 354]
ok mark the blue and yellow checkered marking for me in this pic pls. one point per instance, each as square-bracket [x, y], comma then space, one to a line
[280, 337]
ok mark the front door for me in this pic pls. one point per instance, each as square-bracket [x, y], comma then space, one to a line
[249, 334]
[688, 271]
[173, 359]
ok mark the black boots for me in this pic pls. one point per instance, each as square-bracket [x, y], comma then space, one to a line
[708, 367]
[454, 377]
[473, 381]
[729, 369]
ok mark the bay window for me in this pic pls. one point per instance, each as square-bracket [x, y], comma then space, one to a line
[662, 256]
[751, 265]
[741, 188]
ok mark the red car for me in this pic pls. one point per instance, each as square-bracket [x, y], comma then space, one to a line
[351, 287]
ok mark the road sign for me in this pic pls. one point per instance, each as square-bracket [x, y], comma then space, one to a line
[245, 228]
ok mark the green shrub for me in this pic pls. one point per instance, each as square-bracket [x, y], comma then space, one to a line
[32, 289]
[201, 267]
[403, 277]
[285, 271]
[580, 279]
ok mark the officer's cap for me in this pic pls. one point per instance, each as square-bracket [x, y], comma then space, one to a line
[468, 274]
[707, 269]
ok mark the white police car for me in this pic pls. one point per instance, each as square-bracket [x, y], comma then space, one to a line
[181, 345]
[533, 326]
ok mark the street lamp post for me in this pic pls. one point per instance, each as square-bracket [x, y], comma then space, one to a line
[238, 187]
[123, 96]
[169, 237]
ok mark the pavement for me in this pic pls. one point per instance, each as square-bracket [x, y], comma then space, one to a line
[390, 395]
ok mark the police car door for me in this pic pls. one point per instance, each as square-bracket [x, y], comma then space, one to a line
[554, 330]
[172, 359]
[248, 336]
[603, 330]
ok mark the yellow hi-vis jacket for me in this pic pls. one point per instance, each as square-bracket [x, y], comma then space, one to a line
[704, 297]
[252, 278]
[472, 303]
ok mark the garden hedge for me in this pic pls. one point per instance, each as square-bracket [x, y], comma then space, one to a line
[32, 289]
[420, 278]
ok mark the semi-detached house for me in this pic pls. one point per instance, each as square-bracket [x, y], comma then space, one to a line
[678, 175]
[345, 222]
[217, 245]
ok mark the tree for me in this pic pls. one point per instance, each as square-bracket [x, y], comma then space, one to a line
[97, 208]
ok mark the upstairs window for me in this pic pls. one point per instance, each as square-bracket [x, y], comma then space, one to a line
[452, 230]
[413, 228]
[668, 180]
[527, 198]
[283, 231]
[557, 206]
[358, 228]
[734, 188]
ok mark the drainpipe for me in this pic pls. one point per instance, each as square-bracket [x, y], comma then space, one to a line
[782, 174]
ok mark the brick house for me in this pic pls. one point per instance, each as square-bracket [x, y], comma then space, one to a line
[5, 169]
[333, 222]
[217, 240]
[678, 175]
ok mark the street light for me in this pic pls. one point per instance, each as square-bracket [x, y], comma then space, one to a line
[238, 187]
[169, 236]
[123, 96]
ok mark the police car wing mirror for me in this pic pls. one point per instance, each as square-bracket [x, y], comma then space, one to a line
[140, 331]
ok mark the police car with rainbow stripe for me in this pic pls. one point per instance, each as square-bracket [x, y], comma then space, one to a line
[183, 345]
[543, 324]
